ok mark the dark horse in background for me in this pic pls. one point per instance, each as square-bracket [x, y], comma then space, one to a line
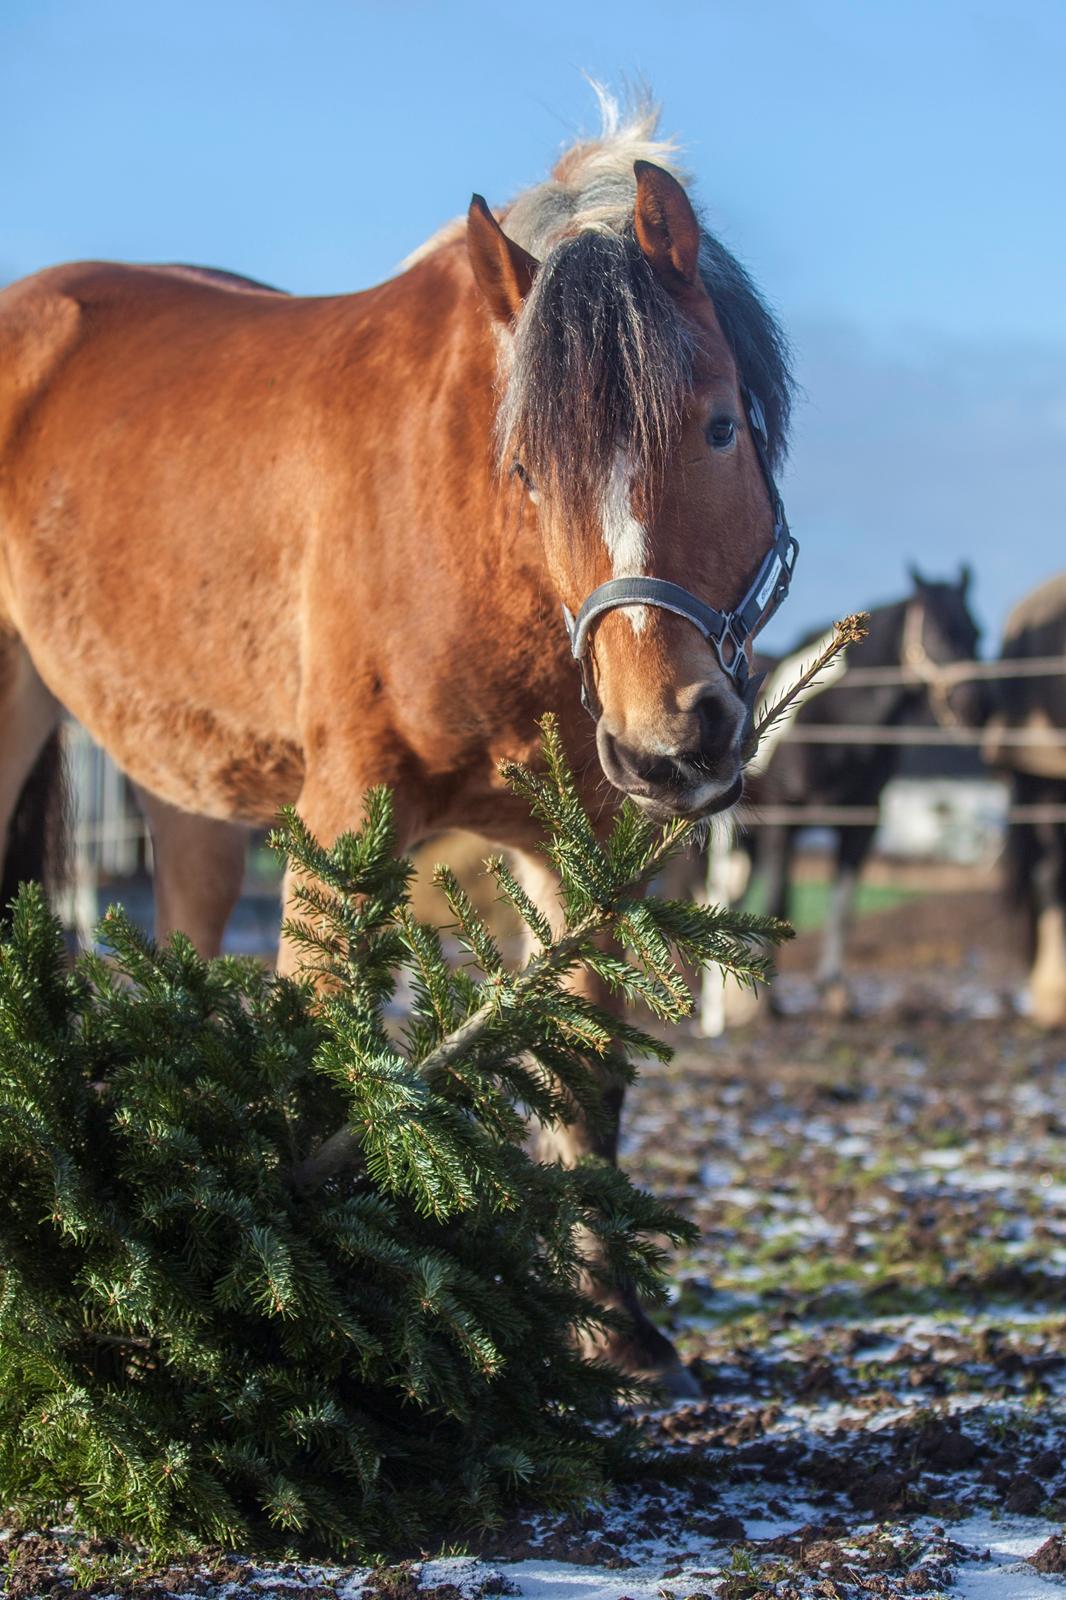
[1036, 628]
[917, 636]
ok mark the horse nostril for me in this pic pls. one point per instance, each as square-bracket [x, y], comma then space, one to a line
[662, 772]
[717, 727]
[636, 766]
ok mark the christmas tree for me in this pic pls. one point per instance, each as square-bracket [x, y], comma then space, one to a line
[276, 1266]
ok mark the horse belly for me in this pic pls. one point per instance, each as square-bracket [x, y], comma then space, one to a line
[198, 724]
[196, 756]
[205, 763]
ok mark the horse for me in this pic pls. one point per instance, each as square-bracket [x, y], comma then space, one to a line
[1036, 849]
[910, 640]
[274, 550]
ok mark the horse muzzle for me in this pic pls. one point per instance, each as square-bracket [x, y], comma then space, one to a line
[704, 801]
[694, 781]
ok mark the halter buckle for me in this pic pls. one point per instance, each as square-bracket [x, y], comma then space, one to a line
[729, 648]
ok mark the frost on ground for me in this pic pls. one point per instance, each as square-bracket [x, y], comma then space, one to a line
[876, 1312]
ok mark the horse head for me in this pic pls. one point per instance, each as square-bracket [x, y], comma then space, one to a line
[938, 632]
[629, 342]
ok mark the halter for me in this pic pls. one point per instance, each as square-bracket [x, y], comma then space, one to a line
[932, 675]
[727, 631]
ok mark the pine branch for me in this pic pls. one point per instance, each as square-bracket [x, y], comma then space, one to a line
[609, 914]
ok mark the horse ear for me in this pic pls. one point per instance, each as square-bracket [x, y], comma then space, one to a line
[915, 576]
[667, 230]
[504, 271]
[965, 577]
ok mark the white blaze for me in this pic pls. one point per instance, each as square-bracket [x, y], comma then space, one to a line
[626, 538]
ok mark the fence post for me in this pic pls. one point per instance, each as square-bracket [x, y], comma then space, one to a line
[717, 891]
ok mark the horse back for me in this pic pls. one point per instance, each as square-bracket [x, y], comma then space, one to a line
[47, 318]
[1037, 621]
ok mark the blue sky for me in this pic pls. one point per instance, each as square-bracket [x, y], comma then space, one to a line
[891, 172]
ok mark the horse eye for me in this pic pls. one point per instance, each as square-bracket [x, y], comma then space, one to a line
[722, 432]
[518, 471]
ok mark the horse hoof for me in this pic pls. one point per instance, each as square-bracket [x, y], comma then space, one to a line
[668, 1381]
[836, 1001]
[674, 1383]
[775, 1005]
[648, 1357]
[1048, 1009]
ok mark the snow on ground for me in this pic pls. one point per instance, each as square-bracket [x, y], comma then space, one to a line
[876, 1312]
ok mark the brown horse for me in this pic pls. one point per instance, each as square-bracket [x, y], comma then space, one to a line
[273, 550]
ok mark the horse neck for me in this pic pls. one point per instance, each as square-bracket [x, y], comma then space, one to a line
[884, 645]
[420, 370]
[421, 411]
[885, 648]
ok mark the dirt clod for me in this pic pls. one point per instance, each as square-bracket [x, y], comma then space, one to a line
[1051, 1557]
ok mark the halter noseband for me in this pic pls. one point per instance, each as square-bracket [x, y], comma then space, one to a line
[936, 681]
[727, 631]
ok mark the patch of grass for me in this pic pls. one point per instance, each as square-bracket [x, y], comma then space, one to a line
[810, 900]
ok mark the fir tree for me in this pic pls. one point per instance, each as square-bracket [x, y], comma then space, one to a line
[277, 1268]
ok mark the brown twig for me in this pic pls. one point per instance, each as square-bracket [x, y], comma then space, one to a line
[847, 631]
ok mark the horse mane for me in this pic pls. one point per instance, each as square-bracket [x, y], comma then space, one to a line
[601, 359]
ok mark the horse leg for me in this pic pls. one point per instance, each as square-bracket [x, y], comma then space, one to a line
[642, 1350]
[725, 1002]
[198, 873]
[1047, 980]
[776, 849]
[331, 805]
[773, 860]
[853, 845]
[29, 722]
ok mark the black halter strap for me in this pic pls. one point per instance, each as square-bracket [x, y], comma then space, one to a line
[728, 631]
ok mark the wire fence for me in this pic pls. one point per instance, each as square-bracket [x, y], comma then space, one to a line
[1038, 738]
[941, 677]
[111, 842]
[770, 816]
[952, 672]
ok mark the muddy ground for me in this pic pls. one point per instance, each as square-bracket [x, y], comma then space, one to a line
[876, 1311]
